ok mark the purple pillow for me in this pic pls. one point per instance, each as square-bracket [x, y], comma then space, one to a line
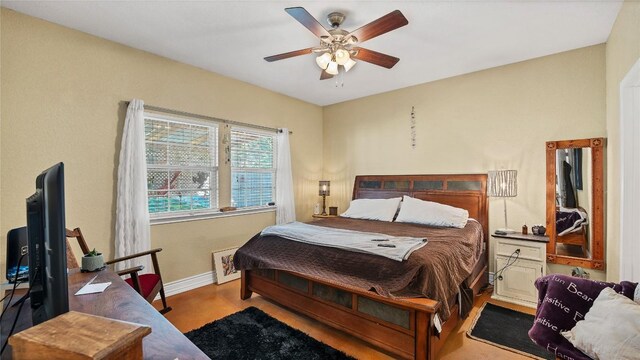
[562, 301]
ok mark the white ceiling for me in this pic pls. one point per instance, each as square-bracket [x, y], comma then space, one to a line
[442, 39]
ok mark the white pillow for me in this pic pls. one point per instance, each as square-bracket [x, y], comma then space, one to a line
[431, 213]
[610, 330]
[373, 209]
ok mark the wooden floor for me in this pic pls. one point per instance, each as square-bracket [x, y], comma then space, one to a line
[198, 307]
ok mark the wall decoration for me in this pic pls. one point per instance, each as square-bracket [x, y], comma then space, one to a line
[223, 262]
[413, 128]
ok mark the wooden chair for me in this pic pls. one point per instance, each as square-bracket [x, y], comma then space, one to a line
[147, 285]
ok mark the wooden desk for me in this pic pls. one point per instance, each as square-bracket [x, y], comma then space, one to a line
[118, 301]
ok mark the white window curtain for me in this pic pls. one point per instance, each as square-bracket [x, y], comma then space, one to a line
[132, 213]
[285, 205]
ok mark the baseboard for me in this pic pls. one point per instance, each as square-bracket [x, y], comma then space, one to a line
[188, 283]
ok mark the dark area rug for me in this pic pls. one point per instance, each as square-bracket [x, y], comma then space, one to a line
[507, 329]
[252, 334]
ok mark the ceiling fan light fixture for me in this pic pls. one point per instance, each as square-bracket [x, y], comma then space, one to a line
[342, 56]
[337, 46]
[332, 68]
[349, 64]
[323, 60]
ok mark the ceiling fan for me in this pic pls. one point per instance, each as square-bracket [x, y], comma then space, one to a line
[338, 46]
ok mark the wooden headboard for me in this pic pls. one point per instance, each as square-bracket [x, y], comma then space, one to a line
[466, 191]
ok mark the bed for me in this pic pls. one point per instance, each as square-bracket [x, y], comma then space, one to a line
[389, 317]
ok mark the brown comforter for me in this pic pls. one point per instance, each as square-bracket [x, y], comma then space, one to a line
[434, 271]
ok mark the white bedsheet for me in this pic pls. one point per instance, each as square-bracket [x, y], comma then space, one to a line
[347, 239]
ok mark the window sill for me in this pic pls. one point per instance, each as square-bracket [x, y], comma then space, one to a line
[209, 215]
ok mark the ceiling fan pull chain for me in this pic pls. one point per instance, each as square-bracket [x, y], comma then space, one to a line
[340, 79]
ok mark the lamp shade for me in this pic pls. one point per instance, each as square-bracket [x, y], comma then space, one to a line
[342, 56]
[324, 187]
[349, 64]
[332, 68]
[323, 60]
[502, 183]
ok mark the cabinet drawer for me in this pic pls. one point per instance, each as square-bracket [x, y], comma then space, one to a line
[527, 250]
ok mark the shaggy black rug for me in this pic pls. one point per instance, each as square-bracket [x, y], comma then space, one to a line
[507, 329]
[252, 334]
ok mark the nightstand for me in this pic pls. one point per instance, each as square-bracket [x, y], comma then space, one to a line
[527, 256]
[323, 216]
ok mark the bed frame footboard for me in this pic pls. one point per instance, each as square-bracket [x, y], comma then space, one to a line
[403, 327]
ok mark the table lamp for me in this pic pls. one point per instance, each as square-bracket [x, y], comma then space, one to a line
[324, 191]
[504, 184]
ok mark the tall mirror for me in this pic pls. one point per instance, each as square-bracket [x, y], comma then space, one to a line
[575, 202]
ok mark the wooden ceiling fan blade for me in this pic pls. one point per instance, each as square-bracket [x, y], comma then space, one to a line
[325, 75]
[288, 54]
[375, 57]
[389, 22]
[304, 18]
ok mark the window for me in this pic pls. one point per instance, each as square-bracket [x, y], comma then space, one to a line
[182, 166]
[252, 167]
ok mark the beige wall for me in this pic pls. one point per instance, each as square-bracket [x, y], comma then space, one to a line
[61, 93]
[492, 119]
[3, 247]
[623, 50]
[60, 99]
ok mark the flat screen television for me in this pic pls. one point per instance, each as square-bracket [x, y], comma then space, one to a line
[46, 233]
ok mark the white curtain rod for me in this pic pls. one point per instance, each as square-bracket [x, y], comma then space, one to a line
[205, 117]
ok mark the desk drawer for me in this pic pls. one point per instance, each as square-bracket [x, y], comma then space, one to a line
[529, 251]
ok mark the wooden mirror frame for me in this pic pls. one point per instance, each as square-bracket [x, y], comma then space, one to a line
[597, 212]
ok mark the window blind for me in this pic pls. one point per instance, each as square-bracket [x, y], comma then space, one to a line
[182, 165]
[252, 155]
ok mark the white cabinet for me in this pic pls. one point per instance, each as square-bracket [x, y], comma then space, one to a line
[519, 261]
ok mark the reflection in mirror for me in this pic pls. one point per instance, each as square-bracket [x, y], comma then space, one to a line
[573, 202]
